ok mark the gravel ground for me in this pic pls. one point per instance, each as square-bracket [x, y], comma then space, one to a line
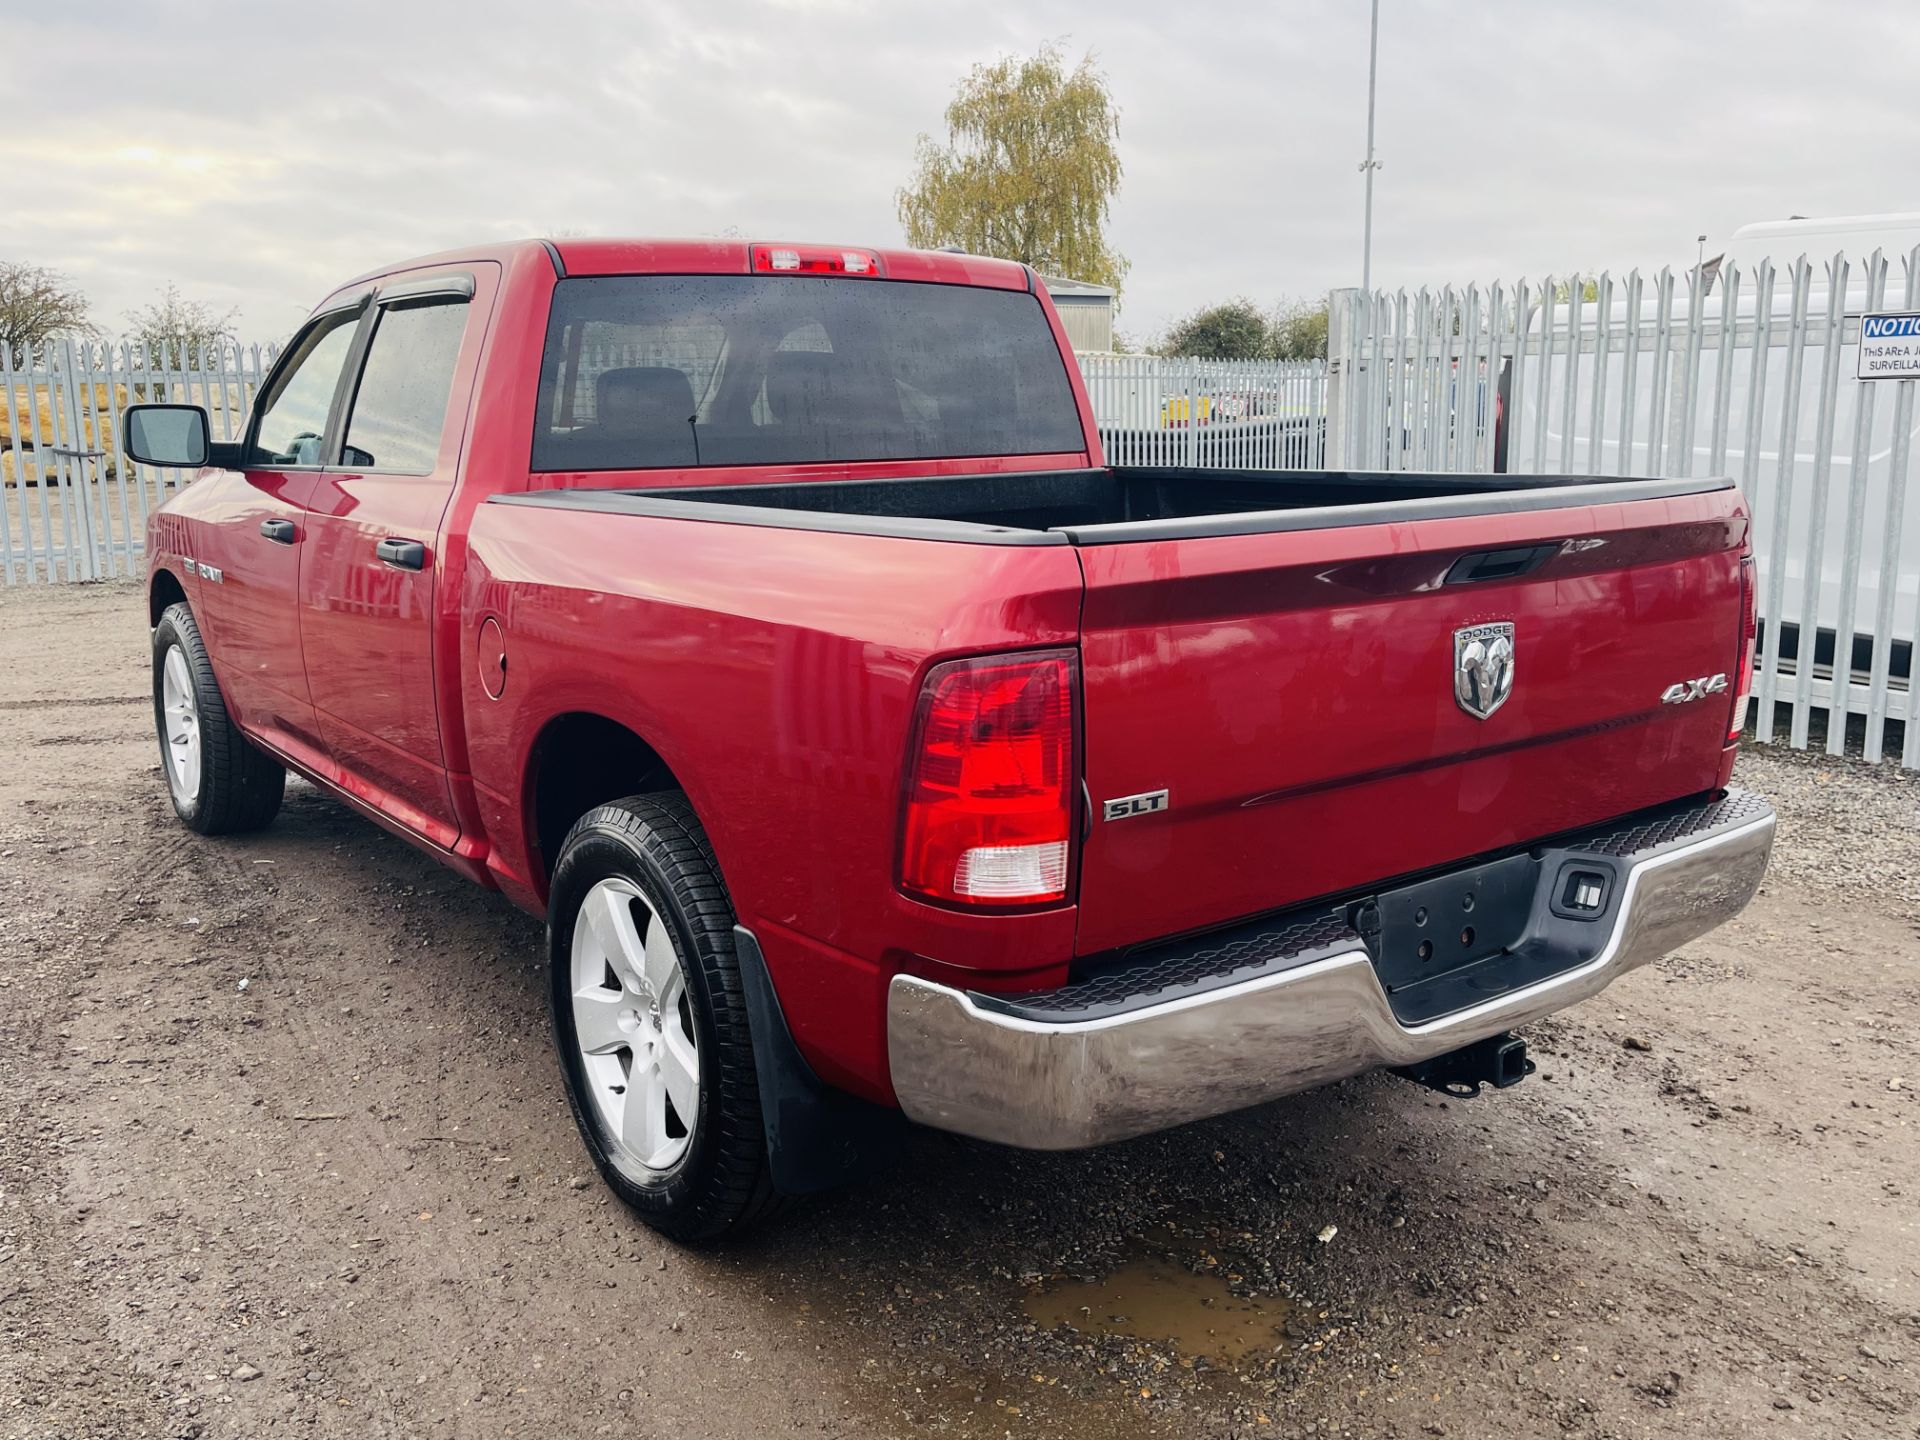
[1854, 828]
[283, 1151]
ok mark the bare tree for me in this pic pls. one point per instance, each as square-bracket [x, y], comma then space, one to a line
[37, 303]
[173, 324]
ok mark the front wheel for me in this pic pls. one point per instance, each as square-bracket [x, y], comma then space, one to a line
[651, 1022]
[221, 783]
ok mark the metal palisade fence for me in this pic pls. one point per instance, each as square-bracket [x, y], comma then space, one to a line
[1240, 414]
[71, 508]
[1749, 374]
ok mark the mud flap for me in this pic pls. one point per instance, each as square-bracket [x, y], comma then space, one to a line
[818, 1138]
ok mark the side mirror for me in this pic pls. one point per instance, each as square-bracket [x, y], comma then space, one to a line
[173, 435]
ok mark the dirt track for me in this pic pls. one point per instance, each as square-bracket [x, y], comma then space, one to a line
[286, 1105]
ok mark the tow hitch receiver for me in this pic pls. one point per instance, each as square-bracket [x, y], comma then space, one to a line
[1498, 1060]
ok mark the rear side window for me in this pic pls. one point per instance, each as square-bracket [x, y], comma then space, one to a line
[655, 371]
[400, 407]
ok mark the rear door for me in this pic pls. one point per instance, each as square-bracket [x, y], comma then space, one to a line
[1295, 696]
[369, 575]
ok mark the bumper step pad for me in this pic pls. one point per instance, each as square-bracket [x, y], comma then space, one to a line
[1107, 986]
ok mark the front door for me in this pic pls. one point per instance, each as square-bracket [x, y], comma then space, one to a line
[370, 569]
[252, 527]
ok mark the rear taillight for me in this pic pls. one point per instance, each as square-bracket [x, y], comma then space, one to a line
[1743, 670]
[990, 782]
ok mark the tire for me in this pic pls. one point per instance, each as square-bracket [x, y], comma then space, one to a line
[220, 782]
[631, 1019]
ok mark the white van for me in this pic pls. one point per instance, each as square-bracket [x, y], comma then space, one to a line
[1852, 519]
[1894, 236]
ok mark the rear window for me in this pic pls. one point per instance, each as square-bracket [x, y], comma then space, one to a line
[644, 372]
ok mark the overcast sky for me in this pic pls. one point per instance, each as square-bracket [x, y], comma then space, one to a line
[256, 154]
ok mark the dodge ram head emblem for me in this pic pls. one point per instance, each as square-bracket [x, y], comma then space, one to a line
[1483, 667]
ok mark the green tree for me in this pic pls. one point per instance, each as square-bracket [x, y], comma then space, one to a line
[1233, 330]
[37, 303]
[1028, 172]
[1298, 330]
[1238, 329]
[171, 324]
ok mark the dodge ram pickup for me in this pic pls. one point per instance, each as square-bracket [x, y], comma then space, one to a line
[765, 617]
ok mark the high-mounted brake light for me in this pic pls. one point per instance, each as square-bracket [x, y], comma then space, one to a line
[1743, 673]
[989, 809]
[814, 260]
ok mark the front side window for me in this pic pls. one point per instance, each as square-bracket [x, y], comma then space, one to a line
[400, 407]
[656, 371]
[293, 414]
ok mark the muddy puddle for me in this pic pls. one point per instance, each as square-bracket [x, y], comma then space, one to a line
[1155, 1298]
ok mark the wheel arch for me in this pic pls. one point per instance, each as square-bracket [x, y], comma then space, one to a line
[578, 760]
[164, 588]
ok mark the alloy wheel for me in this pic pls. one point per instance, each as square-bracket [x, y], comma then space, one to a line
[633, 1025]
[180, 717]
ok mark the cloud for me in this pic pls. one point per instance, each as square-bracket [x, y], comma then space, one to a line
[257, 155]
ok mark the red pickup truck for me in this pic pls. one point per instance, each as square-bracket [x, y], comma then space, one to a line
[765, 617]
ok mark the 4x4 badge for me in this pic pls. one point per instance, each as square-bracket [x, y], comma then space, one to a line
[1483, 667]
[1683, 691]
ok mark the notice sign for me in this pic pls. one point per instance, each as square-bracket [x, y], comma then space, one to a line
[1889, 347]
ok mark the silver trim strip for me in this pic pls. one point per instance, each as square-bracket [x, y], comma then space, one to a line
[1048, 1086]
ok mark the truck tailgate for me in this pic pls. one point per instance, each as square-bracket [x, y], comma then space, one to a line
[1293, 694]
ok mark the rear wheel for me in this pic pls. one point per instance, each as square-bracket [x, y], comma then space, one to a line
[220, 782]
[651, 1022]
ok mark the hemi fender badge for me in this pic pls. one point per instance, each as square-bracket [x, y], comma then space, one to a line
[1128, 806]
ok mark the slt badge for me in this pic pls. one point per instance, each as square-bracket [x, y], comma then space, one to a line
[1483, 667]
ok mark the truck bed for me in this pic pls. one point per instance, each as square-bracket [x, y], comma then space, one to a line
[1269, 662]
[1113, 504]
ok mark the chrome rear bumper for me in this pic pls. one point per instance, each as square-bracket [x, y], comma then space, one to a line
[958, 1065]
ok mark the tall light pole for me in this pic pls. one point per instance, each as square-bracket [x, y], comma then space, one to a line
[1369, 165]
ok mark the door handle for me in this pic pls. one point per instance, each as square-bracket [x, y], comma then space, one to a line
[402, 554]
[1500, 564]
[281, 532]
